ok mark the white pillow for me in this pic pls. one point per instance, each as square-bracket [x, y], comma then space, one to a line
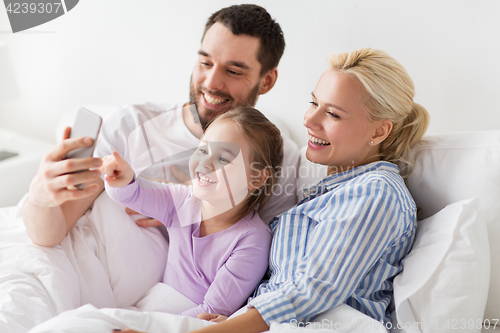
[457, 166]
[445, 277]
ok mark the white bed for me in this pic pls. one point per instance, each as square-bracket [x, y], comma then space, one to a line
[90, 282]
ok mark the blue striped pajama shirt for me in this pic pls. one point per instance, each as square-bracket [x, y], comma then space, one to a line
[343, 243]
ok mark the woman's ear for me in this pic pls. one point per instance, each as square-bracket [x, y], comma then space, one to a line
[258, 179]
[382, 131]
[268, 80]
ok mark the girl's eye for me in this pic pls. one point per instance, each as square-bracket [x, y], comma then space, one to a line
[202, 150]
[314, 103]
[223, 160]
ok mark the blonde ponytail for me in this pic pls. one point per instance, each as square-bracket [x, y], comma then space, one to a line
[389, 95]
[396, 147]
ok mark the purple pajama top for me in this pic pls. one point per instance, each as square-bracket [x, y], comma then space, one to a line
[218, 271]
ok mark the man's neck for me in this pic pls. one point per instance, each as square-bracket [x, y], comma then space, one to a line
[191, 120]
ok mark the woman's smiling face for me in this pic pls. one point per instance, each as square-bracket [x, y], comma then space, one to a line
[339, 128]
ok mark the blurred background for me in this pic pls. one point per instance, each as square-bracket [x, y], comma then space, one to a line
[115, 52]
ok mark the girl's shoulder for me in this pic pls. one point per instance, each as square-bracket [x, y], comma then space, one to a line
[252, 223]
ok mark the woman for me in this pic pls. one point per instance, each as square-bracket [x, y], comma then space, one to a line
[344, 242]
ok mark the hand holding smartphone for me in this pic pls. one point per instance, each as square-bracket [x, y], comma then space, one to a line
[87, 123]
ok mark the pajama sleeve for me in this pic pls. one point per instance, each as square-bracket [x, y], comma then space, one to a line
[150, 198]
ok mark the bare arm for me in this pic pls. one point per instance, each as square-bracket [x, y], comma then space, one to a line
[51, 209]
[249, 322]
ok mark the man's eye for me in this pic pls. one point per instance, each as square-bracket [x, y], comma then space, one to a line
[233, 72]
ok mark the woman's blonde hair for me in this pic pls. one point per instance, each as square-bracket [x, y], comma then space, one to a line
[389, 95]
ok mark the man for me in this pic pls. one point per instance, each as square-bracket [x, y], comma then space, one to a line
[237, 62]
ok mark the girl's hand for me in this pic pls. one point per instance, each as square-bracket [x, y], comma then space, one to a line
[215, 318]
[117, 170]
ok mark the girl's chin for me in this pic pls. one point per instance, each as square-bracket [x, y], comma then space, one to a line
[208, 194]
[217, 199]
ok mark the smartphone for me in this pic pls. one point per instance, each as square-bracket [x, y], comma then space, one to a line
[6, 154]
[87, 123]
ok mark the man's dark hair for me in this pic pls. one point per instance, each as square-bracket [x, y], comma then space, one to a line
[254, 21]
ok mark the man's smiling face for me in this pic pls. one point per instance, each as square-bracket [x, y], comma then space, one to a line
[226, 74]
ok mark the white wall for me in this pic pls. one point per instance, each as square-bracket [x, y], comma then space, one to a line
[116, 51]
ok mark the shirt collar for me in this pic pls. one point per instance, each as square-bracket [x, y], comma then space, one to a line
[329, 182]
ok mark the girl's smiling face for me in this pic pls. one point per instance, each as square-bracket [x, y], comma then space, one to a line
[339, 128]
[221, 165]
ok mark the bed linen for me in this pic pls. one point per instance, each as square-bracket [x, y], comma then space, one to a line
[92, 281]
[105, 260]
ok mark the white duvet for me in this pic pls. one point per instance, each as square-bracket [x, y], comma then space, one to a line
[91, 281]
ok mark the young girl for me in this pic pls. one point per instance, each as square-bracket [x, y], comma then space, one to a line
[219, 246]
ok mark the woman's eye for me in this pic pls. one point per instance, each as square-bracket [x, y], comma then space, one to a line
[314, 103]
[223, 160]
[202, 150]
[333, 115]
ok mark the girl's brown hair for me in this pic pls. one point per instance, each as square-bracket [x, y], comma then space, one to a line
[267, 151]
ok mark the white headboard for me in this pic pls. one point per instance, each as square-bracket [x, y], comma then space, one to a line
[115, 52]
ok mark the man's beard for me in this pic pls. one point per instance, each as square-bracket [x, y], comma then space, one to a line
[208, 115]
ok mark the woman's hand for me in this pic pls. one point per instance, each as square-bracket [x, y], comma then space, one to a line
[117, 170]
[215, 318]
[248, 322]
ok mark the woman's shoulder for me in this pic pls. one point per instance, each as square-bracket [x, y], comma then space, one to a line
[375, 181]
[385, 178]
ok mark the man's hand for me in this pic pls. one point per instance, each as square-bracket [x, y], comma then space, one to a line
[215, 318]
[117, 170]
[50, 186]
[52, 208]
